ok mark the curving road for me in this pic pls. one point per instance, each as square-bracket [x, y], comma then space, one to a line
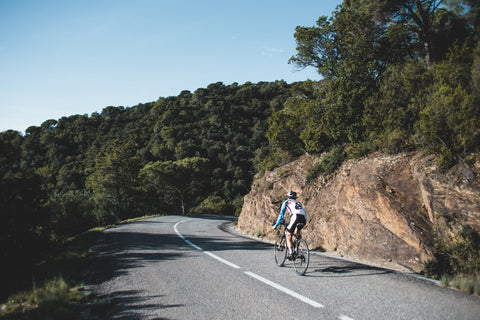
[179, 267]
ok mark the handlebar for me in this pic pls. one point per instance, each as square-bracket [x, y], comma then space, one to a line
[281, 224]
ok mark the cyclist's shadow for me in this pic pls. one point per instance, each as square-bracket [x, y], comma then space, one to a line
[323, 266]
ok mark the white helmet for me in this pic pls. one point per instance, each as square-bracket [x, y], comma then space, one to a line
[292, 195]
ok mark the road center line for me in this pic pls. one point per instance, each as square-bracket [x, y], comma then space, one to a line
[285, 290]
[256, 276]
[228, 263]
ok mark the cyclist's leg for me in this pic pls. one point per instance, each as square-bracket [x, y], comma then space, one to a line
[300, 224]
[289, 230]
[288, 236]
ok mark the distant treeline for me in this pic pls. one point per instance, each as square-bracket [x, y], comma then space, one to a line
[397, 76]
[190, 153]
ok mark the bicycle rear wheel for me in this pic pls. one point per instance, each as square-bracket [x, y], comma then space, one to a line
[302, 257]
[280, 251]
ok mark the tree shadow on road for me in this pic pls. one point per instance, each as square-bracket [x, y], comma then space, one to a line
[123, 249]
[131, 305]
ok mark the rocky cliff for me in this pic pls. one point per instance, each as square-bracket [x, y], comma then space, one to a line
[383, 209]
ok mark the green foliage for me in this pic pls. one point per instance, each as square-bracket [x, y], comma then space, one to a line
[175, 180]
[54, 296]
[392, 81]
[270, 158]
[447, 124]
[284, 129]
[52, 300]
[72, 212]
[329, 163]
[390, 114]
[378, 93]
[468, 284]
[213, 205]
[168, 156]
[433, 28]
[54, 293]
[344, 51]
[113, 182]
[460, 256]
[449, 117]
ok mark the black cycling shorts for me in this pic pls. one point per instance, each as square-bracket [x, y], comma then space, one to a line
[294, 221]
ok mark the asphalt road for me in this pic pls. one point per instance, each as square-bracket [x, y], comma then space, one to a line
[181, 267]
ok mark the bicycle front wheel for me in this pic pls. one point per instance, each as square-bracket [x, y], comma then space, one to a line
[280, 251]
[302, 257]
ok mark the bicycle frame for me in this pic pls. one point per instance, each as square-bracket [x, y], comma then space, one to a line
[300, 256]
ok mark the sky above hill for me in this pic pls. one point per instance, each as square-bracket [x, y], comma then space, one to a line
[60, 58]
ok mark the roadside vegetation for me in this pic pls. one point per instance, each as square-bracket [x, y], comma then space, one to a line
[397, 76]
[458, 261]
[57, 290]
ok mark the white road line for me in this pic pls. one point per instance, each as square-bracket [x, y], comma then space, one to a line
[285, 290]
[256, 276]
[183, 238]
[228, 263]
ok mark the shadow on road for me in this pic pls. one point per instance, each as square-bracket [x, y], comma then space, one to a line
[322, 266]
[131, 305]
[124, 248]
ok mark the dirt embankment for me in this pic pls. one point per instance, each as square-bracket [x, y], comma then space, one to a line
[383, 209]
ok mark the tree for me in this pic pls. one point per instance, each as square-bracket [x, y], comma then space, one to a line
[178, 180]
[448, 125]
[449, 113]
[114, 181]
[390, 114]
[419, 17]
[344, 50]
[10, 150]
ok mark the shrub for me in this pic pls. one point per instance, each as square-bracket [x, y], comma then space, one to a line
[213, 205]
[329, 163]
[457, 261]
[468, 284]
[447, 124]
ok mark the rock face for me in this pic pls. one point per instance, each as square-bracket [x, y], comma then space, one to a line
[383, 209]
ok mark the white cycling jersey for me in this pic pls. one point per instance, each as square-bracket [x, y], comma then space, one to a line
[294, 207]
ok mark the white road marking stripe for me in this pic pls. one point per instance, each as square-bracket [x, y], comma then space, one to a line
[183, 238]
[285, 290]
[193, 245]
[228, 263]
[256, 276]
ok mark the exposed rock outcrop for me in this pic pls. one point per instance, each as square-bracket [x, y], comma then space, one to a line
[382, 209]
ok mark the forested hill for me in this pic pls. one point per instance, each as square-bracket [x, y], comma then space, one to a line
[194, 151]
[167, 156]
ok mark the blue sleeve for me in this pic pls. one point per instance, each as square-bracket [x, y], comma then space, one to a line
[281, 215]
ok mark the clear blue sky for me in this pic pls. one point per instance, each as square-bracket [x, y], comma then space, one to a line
[60, 58]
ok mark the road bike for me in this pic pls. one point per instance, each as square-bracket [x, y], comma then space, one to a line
[301, 253]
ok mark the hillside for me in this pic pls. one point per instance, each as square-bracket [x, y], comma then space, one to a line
[389, 210]
[188, 153]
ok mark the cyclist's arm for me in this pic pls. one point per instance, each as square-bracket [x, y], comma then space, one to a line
[281, 215]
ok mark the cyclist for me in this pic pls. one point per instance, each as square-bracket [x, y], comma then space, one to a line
[298, 215]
